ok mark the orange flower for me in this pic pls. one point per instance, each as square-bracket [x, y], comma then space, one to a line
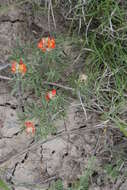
[46, 44]
[30, 128]
[14, 67]
[22, 68]
[40, 45]
[18, 67]
[50, 95]
[51, 43]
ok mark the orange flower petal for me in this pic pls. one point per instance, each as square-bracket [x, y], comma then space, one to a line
[52, 43]
[22, 68]
[14, 66]
[40, 45]
[53, 92]
[30, 130]
[47, 97]
[29, 124]
[50, 95]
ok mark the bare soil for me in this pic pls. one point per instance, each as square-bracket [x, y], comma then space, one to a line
[28, 165]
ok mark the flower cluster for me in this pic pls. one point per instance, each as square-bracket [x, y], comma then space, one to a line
[18, 67]
[46, 44]
[50, 95]
[30, 128]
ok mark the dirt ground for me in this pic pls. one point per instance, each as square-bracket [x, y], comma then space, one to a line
[27, 164]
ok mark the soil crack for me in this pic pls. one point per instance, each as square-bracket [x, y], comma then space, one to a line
[9, 105]
[11, 21]
[13, 172]
[15, 134]
[25, 158]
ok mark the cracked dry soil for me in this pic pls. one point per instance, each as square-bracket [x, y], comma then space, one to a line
[29, 165]
[25, 163]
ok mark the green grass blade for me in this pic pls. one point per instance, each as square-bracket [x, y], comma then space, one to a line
[3, 185]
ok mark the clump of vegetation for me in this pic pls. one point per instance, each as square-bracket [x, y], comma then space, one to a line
[102, 58]
[45, 70]
[102, 27]
[97, 36]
